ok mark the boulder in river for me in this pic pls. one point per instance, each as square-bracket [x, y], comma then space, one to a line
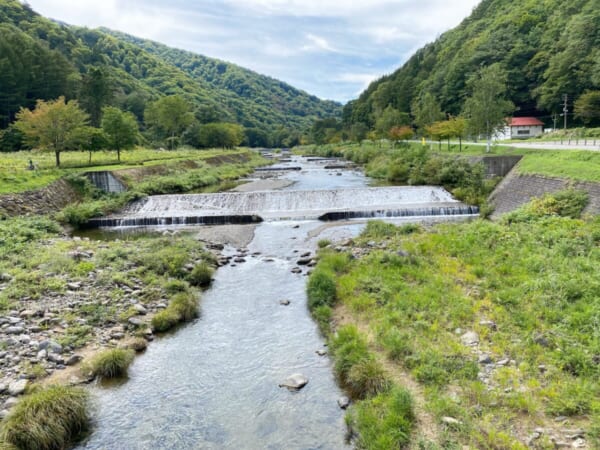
[294, 382]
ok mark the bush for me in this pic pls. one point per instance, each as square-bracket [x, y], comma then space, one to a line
[47, 419]
[321, 289]
[185, 306]
[111, 363]
[367, 378]
[385, 421]
[567, 203]
[138, 344]
[201, 275]
[176, 286]
[165, 320]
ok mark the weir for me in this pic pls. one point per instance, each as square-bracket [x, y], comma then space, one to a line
[254, 207]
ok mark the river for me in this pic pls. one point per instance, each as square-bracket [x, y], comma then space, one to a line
[214, 384]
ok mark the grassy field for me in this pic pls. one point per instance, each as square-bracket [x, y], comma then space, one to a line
[575, 165]
[492, 327]
[14, 176]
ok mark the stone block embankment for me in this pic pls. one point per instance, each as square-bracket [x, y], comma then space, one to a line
[50, 199]
[517, 189]
[497, 166]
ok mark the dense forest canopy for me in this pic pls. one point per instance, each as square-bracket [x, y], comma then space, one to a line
[41, 59]
[547, 48]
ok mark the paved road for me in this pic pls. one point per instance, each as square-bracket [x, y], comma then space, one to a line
[592, 145]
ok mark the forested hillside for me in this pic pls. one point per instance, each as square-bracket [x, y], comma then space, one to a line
[42, 59]
[547, 48]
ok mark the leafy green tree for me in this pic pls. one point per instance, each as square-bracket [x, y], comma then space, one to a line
[439, 131]
[255, 137]
[457, 127]
[169, 116]
[51, 125]
[97, 91]
[487, 107]
[400, 133]
[121, 129]
[587, 108]
[426, 110]
[226, 135]
[90, 139]
[324, 129]
[389, 119]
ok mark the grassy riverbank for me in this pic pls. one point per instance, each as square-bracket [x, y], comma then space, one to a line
[491, 327]
[15, 176]
[383, 161]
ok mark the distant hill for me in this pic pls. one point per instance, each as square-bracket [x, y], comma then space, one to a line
[548, 48]
[42, 59]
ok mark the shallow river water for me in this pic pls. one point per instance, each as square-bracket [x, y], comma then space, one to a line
[213, 384]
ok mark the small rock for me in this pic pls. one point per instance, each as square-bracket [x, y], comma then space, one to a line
[489, 323]
[5, 277]
[295, 381]
[578, 443]
[239, 260]
[503, 362]
[284, 302]
[542, 340]
[3, 388]
[140, 309]
[9, 403]
[484, 358]
[470, 338]
[343, 402]
[14, 330]
[52, 357]
[4, 413]
[74, 286]
[575, 434]
[450, 421]
[74, 359]
[17, 387]
[135, 322]
[305, 255]
[3, 355]
[304, 261]
[321, 352]
[296, 270]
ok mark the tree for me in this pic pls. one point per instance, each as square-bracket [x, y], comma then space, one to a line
[439, 131]
[226, 135]
[51, 125]
[121, 129]
[390, 118]
[90, 139]
[400, 133]
[487, 108]
[97, 91]
[457, 127]
[169, 117]
[426, 111]
[587, 108]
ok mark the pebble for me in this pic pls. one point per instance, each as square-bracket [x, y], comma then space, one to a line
[451, 421]
[484, 358]
[470, 338]
[285, 302]
[321, 352]
[140, 309]
[135, 322]
[74, 359]
[14, 330]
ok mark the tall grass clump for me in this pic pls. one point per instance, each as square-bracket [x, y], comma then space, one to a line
[47, 419]
[201, 275]
[321, 289]
[182, 308]
[111, 363]
[384, 421]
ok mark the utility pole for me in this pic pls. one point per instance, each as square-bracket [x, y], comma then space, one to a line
[554, 120]
[565, 108]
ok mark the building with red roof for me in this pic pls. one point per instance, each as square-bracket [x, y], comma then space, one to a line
[524, 127]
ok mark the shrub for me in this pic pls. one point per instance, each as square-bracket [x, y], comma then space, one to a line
[165, 320]
[323, 243]
[567, 203]
[185, 306]
[111, 363]
[138, 344]
[201, 275]
[322, 315]
[175, 286]
[321, 289]
[385, 421]
[367, 378]
[47, 419]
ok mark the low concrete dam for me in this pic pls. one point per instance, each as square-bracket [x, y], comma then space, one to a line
[252, 207]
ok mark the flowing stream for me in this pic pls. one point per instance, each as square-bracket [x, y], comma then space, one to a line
[213, 384]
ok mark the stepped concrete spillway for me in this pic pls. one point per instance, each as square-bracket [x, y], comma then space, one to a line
[251, 207]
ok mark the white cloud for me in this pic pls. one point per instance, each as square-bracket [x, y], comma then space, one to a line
[332, 48]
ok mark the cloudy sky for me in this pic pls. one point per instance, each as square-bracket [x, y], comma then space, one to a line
[330, 48]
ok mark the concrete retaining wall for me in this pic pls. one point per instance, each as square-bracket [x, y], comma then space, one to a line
[517, 189]
[497, 166]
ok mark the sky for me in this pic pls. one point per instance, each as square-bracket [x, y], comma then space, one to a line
[330, 48]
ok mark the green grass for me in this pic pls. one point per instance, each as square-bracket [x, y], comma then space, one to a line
[47, 419]
[533, 274]
[112, 363]
[14, 176]
[573, 164]
[183, 307]
[201, 275]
